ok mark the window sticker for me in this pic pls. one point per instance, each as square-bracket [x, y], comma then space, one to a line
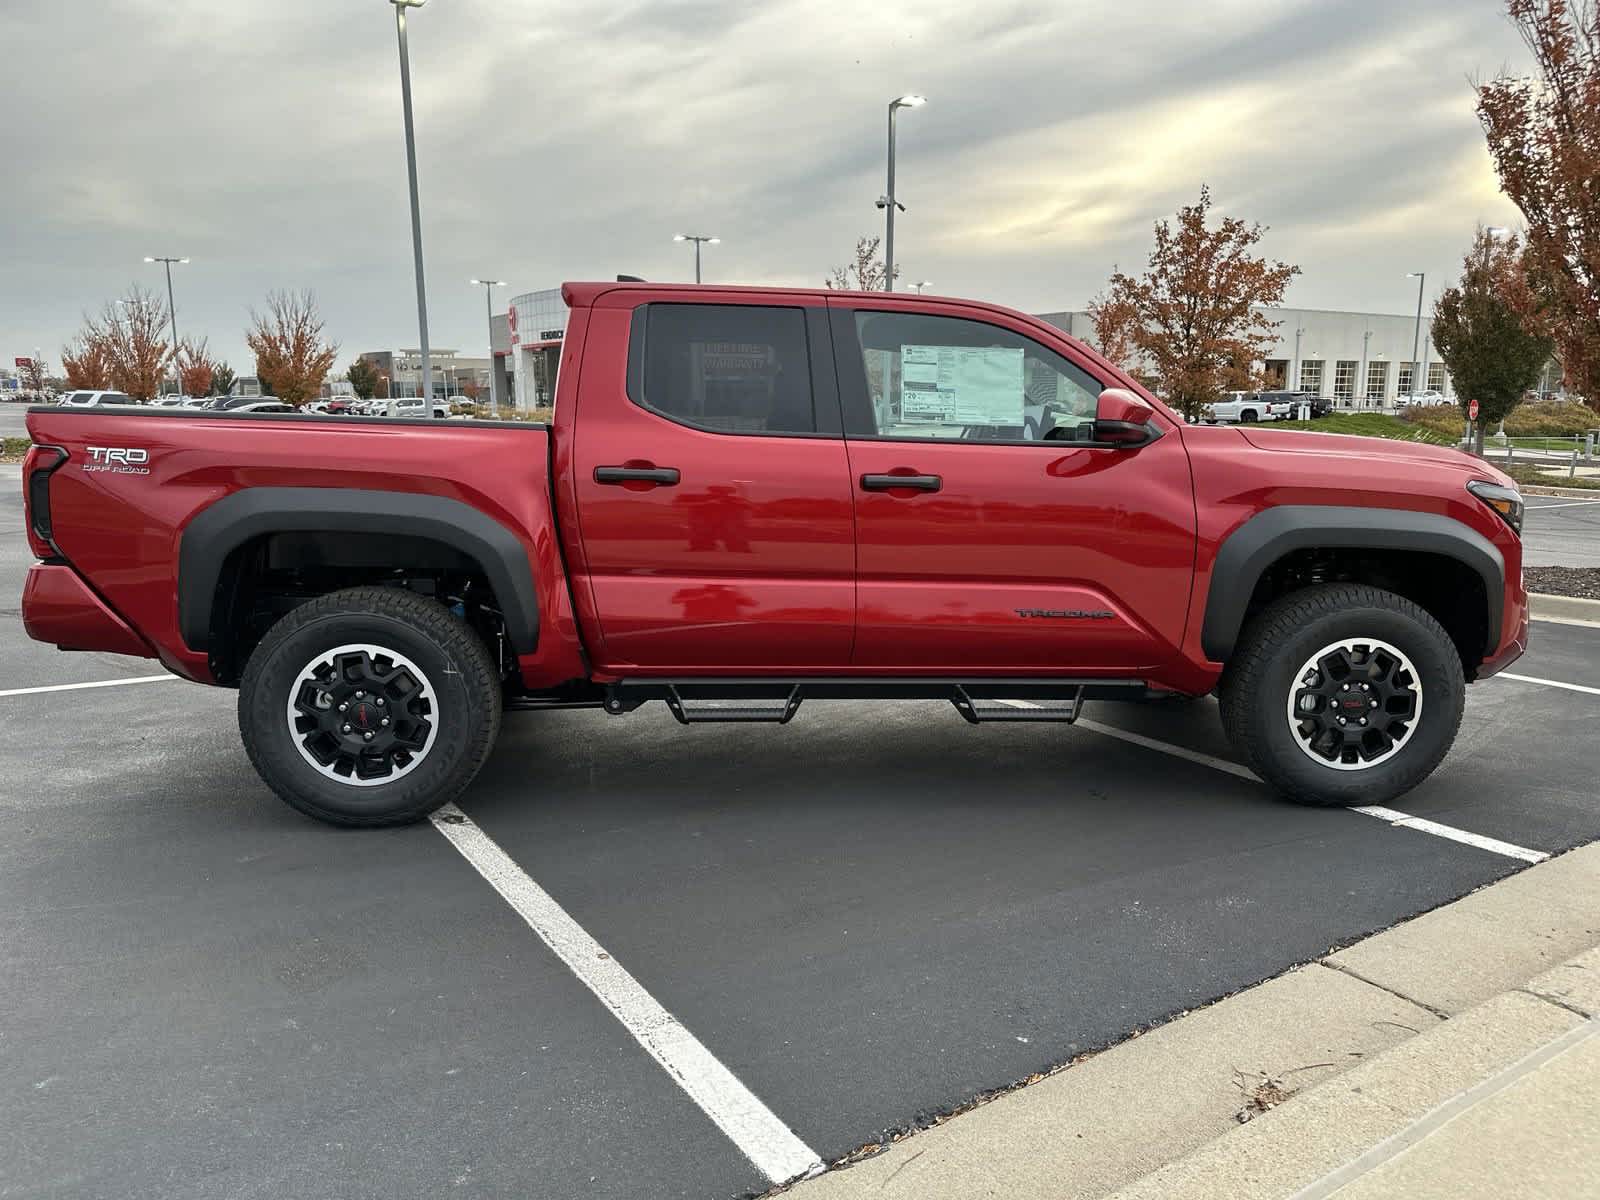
[961, 385]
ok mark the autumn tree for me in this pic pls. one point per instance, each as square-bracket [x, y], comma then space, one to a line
[363, 376]
[472, 390]
[292, 355]
[1543, 132]
[1487, 346]
[1193, 321]
[86, 361]
[865, 274]
[195, 368]
[31, 374]
[131, 334]
[222, 378]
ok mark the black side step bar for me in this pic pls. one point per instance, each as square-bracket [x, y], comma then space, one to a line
[695, 701]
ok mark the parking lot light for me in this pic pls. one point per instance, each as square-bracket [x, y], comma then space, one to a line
[172, 313]
[1416, 336]
[887, 202]
[698, 240]
[488, 286]
[400, 7]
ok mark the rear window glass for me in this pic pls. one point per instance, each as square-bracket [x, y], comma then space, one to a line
[729, 368]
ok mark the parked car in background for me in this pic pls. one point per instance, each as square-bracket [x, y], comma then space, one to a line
[412, 406]
[93, 399]
[258, 404]
[170, 402]
[1249, 407]
[1407, 399]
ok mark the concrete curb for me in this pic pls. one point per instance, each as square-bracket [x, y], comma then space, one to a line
[1564, 608]
[1160, 1115]
[1569, 493]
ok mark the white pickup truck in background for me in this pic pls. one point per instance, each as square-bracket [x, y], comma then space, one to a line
[1248, 407]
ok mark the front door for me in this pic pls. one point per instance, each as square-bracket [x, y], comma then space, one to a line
[989, 537]
[713, 490]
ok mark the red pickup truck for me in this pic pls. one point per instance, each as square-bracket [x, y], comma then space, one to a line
[748, 498]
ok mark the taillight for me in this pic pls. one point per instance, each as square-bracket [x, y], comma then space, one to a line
[37, 468]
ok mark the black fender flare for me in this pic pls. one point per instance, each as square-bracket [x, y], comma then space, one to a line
[1264, 538]
[208, 539]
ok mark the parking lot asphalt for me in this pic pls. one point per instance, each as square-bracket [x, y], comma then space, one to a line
[13, 420]
[1561, 531]
[870, 916]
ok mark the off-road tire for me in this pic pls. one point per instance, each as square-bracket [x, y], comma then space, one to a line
[466, 703]
[1262, 673]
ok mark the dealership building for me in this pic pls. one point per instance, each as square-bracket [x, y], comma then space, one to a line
[452, 372]
[1359, 360]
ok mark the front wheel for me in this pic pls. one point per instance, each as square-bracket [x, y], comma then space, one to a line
[1343, 694]
[370, 706]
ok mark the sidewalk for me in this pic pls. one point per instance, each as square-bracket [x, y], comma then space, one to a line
[1455, 1055]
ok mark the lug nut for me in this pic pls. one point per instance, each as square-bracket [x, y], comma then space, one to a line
[344, 729]
[367, 736]
[1363, 720]
[342, 707]
[381, 702]
[384, 722]
[1374, 704]
[1343, 687]
[359, 695]
[1341, 720]
[1366, 687]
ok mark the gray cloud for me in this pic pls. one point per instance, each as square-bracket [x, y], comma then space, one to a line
[567, 140]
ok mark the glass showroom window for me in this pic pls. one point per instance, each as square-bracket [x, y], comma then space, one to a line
[1311, 376]
[1344, 379]
[1403, 378]
[1377, 380]
[1436, 377]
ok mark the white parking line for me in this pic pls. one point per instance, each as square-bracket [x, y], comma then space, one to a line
[1555, 683]
[754, 1128]
[1493, 845]
[1421, 824]
[1568, 504]
[73, 687]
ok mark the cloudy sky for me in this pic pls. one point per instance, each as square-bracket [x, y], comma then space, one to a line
[568, 140]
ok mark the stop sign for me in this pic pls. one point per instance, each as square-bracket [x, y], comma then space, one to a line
[1472, 410]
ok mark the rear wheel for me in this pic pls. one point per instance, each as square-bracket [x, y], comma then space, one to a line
[369, 706]
[1248, 416]
[1343, 695]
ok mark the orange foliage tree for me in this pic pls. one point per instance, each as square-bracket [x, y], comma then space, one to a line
[292, 356]
[86, 362]
[130, 331]
[195, 368]
[865, 274]
[1192, 320]
[1543, 132]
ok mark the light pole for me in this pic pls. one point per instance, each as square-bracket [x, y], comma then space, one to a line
[172, 312]
[922, 283]
[698, 240]
[1299, 333]
[488, 310]
[1416, 335]
[887, 202]
[400, 7]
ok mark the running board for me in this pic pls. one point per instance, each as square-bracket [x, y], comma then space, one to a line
[775, 701]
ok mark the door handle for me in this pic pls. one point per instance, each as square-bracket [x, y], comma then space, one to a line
[883, 483]
[666, 476]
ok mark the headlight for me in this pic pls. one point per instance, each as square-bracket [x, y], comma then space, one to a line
[1505, 501]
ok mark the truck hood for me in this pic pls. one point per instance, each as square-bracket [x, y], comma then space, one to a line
[1294, 441]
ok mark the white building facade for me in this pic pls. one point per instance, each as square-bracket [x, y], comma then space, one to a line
[1358, 360]
[536, 323]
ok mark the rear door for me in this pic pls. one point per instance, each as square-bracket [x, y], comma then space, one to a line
[713, 488]
[1011, 546]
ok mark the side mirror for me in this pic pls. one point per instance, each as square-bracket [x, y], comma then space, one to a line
[1122, 419]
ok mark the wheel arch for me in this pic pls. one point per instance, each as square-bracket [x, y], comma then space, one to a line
[1275, 536]
[207, 543]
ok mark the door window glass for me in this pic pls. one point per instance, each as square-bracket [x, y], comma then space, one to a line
[946, 377]
[729, 368]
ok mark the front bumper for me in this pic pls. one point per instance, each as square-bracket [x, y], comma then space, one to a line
[58, 607]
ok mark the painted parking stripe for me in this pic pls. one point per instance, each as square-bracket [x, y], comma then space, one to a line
[1422, 825]
[754, 1128]
[1555, 683]
[1568, 504]
[1493, 845]
[74, 687]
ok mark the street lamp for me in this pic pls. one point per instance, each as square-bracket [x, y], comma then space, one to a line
[400, 7]
[887, 202]
[488, 286]
[1416, 335]
[172, 312]
[922, 283]
[698, 240]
